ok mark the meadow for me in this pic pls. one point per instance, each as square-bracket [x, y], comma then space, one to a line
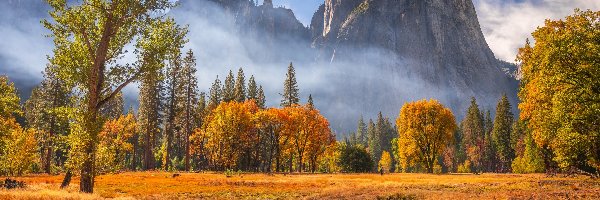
[163, 185]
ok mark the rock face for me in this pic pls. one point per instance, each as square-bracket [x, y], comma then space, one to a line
[378, 54]
[440, 40]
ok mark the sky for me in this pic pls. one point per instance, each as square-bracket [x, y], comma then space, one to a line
[506, 24]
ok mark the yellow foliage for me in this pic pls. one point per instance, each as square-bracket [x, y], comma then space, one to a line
[385, 162]
[425, 128]
[19, 148]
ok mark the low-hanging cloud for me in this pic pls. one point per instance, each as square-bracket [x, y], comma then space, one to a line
[506, 24]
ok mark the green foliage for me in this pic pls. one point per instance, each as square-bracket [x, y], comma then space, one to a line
[290, 89]
[252, 89]
[354, 158]
[240, 86]
[473, 136]
[530, 160]
[261, 99]
[215, 95]
[229, 87]
[361, 132]
[560, 86]
[9, 100]
[501, 134]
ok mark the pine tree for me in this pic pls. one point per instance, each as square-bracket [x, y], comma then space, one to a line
[240, 87]
[290, 89]
[473, 131]
[361, 132]
[229, 88]
[187, 106]
[174, 87]
[501, 134]
[201, 109]
[489, 159]
[41, 112]
[374, 141]
[261, 99]
[310, 101]
[215, 95]
[252, 89]
[149, 116]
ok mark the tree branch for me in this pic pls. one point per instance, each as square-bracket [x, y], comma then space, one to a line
[118, 89]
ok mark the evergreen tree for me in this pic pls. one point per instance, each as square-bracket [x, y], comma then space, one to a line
[261, 99]
[240, 87]
[149, 116]
[201, 109]
[374, 141]
[489, 159]
[361, 132]
[252, 89]
[310, 101]
[175, 77]
[229, 88]
[41, 112]
[290, 89]
[187, 106]
[473, 131]
[501, 134]
[215, 95]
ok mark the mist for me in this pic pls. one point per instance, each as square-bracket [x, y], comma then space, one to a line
[343, 88]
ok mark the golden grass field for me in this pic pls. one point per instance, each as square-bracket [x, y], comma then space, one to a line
[162, 185]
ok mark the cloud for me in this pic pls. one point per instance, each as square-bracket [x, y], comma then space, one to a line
[506, 25]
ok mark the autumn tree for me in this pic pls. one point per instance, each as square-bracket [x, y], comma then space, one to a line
[385, 162]
[89, 39]
[17, 145]
[425, 128]
[290, 88]
[115, 146]
[559, 89]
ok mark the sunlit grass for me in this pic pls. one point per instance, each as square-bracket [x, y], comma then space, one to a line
[160, 185]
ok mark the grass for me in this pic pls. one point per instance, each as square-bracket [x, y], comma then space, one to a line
[162, 185]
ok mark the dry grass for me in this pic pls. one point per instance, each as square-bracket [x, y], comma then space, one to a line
[161, 185]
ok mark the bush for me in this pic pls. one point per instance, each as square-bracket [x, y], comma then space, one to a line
[355, 158]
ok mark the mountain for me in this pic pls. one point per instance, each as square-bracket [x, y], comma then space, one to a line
[370, 55]
[438, 40]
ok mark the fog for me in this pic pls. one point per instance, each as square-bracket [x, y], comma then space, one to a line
[343, 89]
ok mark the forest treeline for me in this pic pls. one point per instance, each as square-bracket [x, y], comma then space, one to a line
[75, 122]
